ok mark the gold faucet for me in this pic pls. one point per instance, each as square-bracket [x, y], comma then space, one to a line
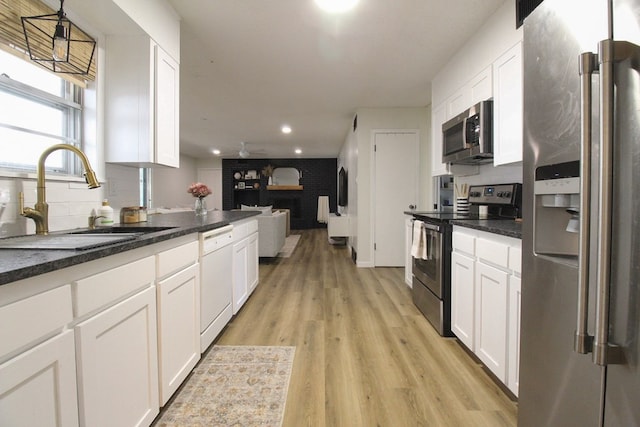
[40, 213]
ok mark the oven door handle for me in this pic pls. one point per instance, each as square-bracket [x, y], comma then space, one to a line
[429, 226]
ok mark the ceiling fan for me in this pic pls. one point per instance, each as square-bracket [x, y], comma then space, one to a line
[242, 153]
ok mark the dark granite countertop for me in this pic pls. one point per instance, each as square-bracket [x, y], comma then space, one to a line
[18, 264]
[503, 227]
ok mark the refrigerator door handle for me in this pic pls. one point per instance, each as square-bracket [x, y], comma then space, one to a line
[609, 53]
[583, 342]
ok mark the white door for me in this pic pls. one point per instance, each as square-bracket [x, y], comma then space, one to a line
[395, 188]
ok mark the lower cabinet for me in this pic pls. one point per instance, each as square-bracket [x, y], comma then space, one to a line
[245, 262]
[408, 241]
[491, 318]
[178, 300]
[38, 387]
[178, 329]
[117, 364]
[463, 298]
[485, 299]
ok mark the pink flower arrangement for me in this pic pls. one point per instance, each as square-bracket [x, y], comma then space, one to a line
[198, 189]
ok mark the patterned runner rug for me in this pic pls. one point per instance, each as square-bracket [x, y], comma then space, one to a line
[233, 386]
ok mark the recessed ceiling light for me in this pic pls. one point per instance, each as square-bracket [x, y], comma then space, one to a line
[336, 6]
[216, 152]
[285, 129]
[298, 151]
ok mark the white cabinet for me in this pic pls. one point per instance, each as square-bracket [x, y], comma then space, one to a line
[38, 387]
[480, 87]
[492, 296]
[178, 316]
[508, 106]
[245, 262]
[37, 361]
[408, 242]
[142, 103]
[463, 298]
[515, 303]
[338, 226]
[117, 364]
[485, 299]
[252, 262]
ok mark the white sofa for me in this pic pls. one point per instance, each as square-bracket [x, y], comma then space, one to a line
[272, 231]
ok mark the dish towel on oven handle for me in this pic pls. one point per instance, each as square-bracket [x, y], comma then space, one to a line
[423, 244]
[420, 246]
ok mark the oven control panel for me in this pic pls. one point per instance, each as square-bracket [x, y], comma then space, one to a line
[499, 194]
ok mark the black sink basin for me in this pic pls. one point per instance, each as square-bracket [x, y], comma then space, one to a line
[122, 229]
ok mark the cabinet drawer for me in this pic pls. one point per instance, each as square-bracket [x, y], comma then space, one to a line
[177, 258]
[252, 227]
[493, 252]
[28, 320]
[464, 243]
[101, 289]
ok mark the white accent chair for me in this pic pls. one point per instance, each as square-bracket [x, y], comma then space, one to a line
[272, 230]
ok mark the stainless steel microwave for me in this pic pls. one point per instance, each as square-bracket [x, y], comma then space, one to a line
[468, 137]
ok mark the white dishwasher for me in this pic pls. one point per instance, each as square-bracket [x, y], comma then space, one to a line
[216, 285]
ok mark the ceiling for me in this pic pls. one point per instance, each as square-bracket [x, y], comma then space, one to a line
[248, 67]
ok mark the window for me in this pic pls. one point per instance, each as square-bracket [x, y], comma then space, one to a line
[37, 109]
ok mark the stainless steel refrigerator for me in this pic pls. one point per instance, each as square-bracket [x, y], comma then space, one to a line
[580, 331]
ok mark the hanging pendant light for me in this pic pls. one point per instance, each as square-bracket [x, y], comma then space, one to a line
[57, 44]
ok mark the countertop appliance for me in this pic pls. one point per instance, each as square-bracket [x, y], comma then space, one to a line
[580, 334]
[431, 284]
[215, 283]
[468, 137]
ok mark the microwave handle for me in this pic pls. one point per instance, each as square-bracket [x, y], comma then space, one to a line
[465, 144]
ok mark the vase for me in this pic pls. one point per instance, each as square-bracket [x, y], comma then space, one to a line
[201, 207]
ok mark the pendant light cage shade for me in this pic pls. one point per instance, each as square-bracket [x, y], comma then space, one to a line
[40, 32]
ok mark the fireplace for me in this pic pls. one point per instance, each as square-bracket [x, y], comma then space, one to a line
[293, 204]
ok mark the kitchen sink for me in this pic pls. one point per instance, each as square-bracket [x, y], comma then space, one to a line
[122, 230]
[65, 241]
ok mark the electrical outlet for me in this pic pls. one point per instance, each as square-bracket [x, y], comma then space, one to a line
[5, 195]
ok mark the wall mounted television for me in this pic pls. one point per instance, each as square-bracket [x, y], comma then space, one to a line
[342, 187]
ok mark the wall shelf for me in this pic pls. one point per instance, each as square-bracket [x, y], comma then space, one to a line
[284, 187]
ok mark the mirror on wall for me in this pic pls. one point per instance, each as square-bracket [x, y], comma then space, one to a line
[285, 176]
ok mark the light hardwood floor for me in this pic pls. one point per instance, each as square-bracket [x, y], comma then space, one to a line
[365, 356]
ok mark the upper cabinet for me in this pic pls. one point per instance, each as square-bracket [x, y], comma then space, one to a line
[488, 66]
[507, 107]
[142, 103]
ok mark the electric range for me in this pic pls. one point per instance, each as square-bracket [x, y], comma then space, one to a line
[431, 284]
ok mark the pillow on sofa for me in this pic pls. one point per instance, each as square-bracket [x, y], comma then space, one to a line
[265, 210]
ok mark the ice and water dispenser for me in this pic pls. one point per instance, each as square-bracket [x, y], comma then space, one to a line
[557, 209]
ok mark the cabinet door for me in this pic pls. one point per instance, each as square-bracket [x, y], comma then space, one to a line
[515, 302]
[117, 355]
[463, 298]
[240, 279]
[178, 328]
[507, 107]
[252, 262]
[38, 387]
[167, 109]
[481, 86]
[408, 241]
[491, 318]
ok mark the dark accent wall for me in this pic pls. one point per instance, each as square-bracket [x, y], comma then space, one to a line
[319, 178]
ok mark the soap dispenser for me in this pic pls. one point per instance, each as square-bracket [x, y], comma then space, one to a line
[106, 212]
